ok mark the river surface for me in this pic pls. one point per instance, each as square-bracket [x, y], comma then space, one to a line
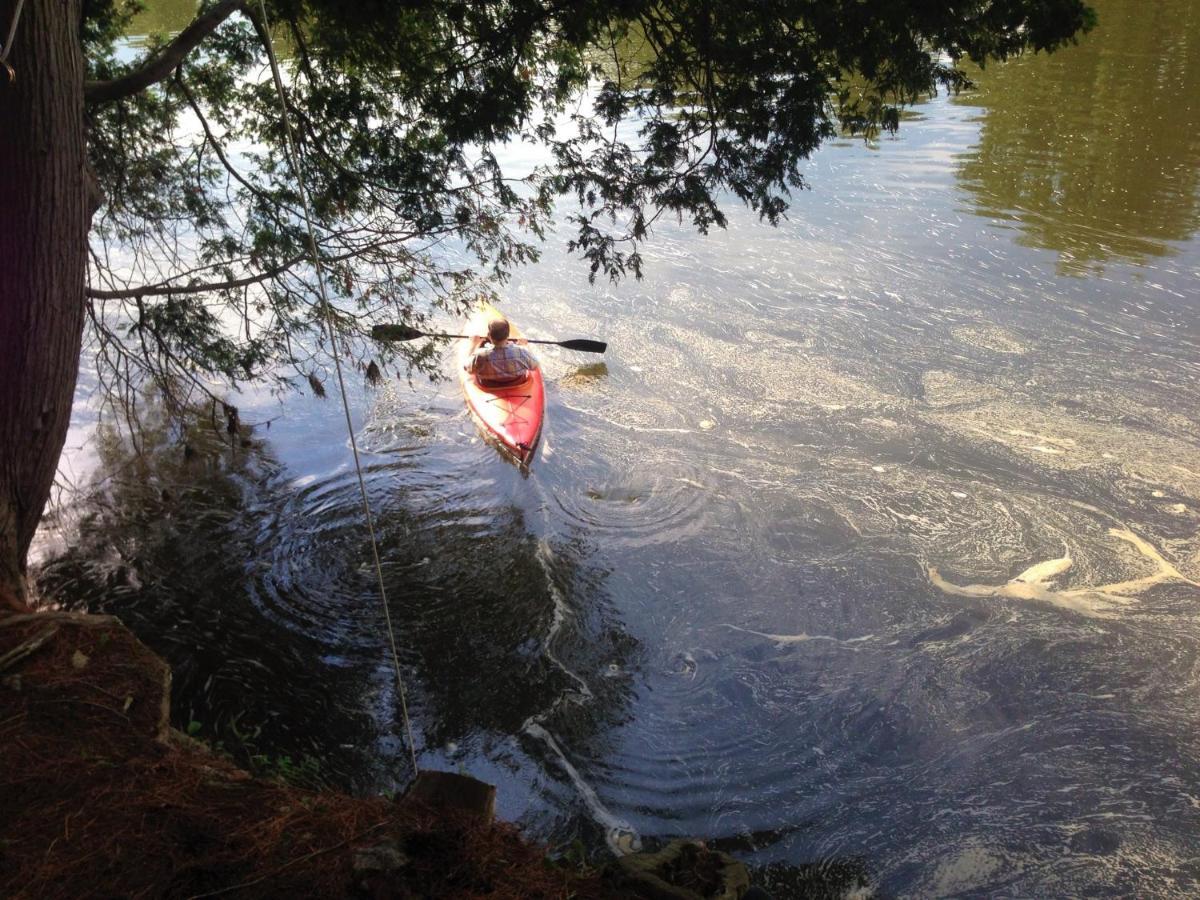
[869, 550]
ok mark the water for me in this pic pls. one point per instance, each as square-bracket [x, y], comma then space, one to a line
[873, 541]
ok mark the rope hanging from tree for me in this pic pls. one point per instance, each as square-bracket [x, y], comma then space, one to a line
[327, 322]
[12, 32]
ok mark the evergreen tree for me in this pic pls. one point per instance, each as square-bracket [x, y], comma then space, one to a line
[152, 198]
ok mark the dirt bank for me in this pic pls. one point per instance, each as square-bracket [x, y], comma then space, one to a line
[100, 797]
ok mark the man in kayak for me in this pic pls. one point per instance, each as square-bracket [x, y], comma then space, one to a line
[502, 363]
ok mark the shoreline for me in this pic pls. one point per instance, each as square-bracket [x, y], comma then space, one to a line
[100, 796]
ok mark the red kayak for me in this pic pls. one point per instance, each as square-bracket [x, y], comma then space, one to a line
[510, 415]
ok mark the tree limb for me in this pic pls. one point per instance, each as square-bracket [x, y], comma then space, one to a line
[166, 288]
[219, 150]
[159, 290]
[159, 67]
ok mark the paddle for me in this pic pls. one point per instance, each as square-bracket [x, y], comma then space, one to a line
[405, 333]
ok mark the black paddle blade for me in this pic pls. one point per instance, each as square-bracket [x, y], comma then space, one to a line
[583, 345]
[395, 333]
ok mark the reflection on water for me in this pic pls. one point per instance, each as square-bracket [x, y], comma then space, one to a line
[1095, 151]
[870, 550]
[162, 538]
[162, 17]
[256, 586]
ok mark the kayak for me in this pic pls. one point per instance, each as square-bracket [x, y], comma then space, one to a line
[511, 415]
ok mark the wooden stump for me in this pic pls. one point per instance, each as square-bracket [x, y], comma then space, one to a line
[451, 792]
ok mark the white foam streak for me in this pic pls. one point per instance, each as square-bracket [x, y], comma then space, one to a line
[1101, 601]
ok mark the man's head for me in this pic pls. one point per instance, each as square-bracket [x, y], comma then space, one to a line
[498, 330]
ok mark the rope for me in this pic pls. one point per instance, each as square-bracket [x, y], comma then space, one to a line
[12, 32]
[327, 321]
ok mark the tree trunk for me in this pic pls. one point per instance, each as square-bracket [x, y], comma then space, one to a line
[45, 213]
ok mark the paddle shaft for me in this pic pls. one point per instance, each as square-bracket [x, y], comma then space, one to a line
[522, 340]
[405, 333]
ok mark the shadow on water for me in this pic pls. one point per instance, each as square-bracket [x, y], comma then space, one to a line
[1094, 151]
[159, 539]
[258, 589]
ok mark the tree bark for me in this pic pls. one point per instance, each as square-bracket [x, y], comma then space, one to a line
[45, 213]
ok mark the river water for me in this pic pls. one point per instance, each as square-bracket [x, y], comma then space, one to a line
[869, 551]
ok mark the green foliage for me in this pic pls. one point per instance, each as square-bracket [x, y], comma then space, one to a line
[573, 856]
[303, 773]
[637, 110]
[241, 746]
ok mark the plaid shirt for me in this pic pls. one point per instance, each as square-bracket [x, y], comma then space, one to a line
[507, 363]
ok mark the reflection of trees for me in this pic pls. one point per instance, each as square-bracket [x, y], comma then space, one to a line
[163, 16]
[160, 538]
[483, 662]
[259, 597]
[1095, 150]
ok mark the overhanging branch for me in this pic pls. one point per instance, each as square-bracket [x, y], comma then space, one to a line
[169, 287]
[166, 289]
[160, 66]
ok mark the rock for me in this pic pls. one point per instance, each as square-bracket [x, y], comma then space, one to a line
[383, 857]
[1095, 841]
[683, 870]
[377, 869]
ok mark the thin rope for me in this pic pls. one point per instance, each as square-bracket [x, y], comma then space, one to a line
[327, 321]
[12, 32]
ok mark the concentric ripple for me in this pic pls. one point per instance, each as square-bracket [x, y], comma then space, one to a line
[648, 503]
